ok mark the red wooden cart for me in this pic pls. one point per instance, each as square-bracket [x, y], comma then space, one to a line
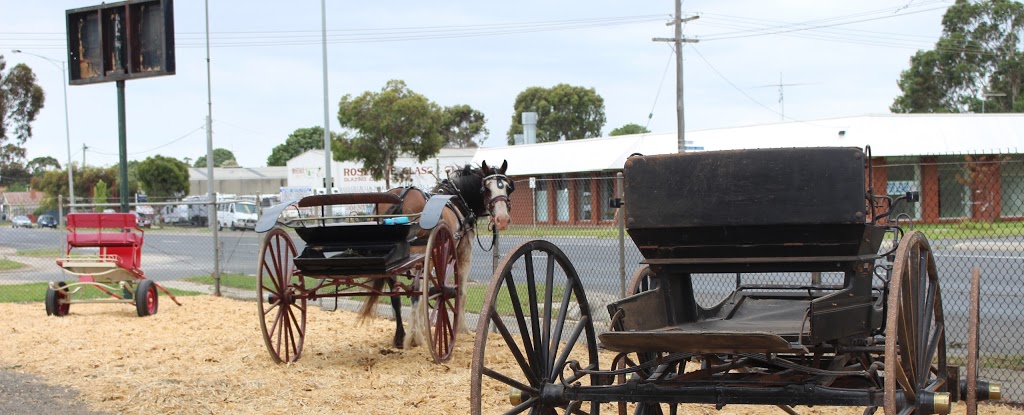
[113, 268]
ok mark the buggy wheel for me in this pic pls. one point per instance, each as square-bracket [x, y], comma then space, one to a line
[56, 301]
[915, 336]
[281, 305]
[146, 298]
[535, 301]
[440, 288]
[642, 281]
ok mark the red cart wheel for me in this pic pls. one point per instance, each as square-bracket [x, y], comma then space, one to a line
[915, 335]
[440, 288]
[56, 301]
[282, 308]
[146, 298]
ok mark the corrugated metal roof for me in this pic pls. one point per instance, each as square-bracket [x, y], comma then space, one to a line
[887, 134]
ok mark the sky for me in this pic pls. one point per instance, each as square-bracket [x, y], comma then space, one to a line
[832, 59]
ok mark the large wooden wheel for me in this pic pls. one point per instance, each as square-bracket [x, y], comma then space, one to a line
[440, 288]
[282, 310]
[642, 281]
[535, 301]
[915, 336]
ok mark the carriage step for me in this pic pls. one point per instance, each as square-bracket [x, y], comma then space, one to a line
[675, 340]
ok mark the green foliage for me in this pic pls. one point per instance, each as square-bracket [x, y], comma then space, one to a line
[978, 52]
[298, 142]
[629, 129]
[221, 157]
[20, 102]
[40, 165]
[100, 194]
[564, 112]
[395, 121]
[163, 177]
[463, 126]
[55, 182]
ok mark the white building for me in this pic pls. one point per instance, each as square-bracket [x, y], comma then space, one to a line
[307, 171]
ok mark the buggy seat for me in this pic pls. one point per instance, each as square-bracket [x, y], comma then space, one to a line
[117, 236]
[748, 211]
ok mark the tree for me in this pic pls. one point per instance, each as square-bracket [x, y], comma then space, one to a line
[463, 126]
[220, 156]
[40, 165]
[630, 128]
[163, 177]
[20, 102]
[298, 142]
[978, 52]
[564, 112]
[55, 182]
[100, 194]
[387, 124]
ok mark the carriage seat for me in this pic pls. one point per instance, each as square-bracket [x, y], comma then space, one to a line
[96, 230]
[115, 234]
[761, 203]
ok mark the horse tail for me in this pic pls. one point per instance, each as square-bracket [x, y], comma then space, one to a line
[369, 306]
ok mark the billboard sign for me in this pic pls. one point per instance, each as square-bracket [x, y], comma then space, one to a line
[119, 41]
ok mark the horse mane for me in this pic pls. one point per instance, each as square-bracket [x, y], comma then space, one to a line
[467, 186]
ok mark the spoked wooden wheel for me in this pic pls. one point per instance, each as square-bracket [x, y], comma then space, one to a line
[915, 336]
[641, 281]
[282, 309]
[440, 288]
[535, 301]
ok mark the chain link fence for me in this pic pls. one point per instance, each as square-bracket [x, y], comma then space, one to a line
[971, 209]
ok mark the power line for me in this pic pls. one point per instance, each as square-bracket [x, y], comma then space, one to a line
[93, 149]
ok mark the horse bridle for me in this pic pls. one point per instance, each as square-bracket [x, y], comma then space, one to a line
[502, 182]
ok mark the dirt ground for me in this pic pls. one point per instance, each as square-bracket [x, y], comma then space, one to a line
[208, 357]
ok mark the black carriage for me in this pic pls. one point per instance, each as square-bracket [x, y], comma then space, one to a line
[348, 253]
[821, 312]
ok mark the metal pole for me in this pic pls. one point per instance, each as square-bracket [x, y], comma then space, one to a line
[67, 129]
[60, 211]
[622, 240]
[211, 214]
[122, 143]
[67, 134]
[328, 180]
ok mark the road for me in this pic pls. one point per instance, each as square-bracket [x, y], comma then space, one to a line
[174, 254]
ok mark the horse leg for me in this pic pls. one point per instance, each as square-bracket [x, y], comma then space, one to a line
[396, 306]
[465, 259]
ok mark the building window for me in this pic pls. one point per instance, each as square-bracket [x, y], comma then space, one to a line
[583, 202]
[540, 207]
[607, 189]
[561, 185]
[903, 177]
[1012, 188]
[954, 193]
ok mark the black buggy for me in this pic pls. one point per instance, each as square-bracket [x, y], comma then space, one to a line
[832, 302]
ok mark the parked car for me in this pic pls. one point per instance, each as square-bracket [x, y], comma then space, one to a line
[21, 222]
[47, 221]
[142, 220]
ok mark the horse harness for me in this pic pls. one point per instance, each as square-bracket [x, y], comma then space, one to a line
[502, 182]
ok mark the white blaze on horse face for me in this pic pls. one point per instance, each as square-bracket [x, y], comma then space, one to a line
[500, 216]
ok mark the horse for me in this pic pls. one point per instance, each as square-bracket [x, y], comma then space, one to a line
[479, 191]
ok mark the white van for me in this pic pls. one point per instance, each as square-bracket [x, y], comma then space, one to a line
[236, 214]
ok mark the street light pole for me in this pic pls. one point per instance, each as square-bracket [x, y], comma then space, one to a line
[67, 128]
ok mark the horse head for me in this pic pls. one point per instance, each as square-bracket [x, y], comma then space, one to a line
[496, 188]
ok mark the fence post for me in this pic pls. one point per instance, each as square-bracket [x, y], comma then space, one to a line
[622, 239]
[60, 211]
[211, 218]
[495, 254]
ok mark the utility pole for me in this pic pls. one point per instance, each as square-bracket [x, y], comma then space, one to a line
[84, 147]
[679, 40]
